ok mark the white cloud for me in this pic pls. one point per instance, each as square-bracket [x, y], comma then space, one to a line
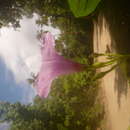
[16, 47]
[20, 49]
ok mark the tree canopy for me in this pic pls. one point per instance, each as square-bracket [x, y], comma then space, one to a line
[73, 103]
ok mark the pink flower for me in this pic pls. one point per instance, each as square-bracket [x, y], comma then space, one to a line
[53, 65]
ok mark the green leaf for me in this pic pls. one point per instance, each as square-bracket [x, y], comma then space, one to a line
[83, 7]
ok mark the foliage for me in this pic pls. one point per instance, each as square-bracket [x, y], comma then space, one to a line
[82, 8]
[73, 103]
[11, 12]
[113, 60]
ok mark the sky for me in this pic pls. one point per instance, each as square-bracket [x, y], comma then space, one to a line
[4, 126]
[19, 57]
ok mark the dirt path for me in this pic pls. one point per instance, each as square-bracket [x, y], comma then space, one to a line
[114, 85]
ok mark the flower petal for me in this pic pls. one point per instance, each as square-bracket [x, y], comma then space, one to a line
[53, 65]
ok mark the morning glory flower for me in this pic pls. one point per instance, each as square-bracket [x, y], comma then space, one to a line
[53, 65]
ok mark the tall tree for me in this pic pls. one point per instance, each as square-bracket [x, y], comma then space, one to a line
[10, 12]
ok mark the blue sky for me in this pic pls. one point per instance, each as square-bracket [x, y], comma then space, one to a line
[12, 91]
[19, 57]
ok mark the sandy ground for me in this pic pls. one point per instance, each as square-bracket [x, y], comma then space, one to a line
[114, 86]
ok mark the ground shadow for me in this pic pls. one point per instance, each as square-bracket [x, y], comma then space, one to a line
[117, 15]
[121, 84]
